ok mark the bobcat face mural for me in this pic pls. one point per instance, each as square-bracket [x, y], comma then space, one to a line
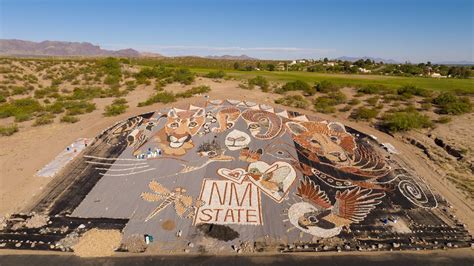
[329, 140]
[175, 137]
[328, 147]
[262, 125]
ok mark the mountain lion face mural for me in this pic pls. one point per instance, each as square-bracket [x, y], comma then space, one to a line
[175, 138]
[329, 140]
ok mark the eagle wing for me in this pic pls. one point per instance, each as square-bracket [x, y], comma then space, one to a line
[356, 203]
[309, 191]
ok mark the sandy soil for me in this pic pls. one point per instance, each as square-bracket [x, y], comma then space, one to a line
[33, 147]
[98, 243]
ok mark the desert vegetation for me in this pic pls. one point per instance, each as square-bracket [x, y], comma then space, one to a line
[47, 90]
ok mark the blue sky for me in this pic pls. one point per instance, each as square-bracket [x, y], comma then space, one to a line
[415, 30]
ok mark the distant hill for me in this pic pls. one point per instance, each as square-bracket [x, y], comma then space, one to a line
[463, 63]
[58, 48]
[231, 57]
[376, 59]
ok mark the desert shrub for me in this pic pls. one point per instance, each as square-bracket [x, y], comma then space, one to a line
[297, 85]
[246, 86]
[131, 85]
[112, 80]
[261, 82]
[157, 72]
[363, 113]
[69, 119]
[444, 119]
[373, 100]
[118, 106]
[215, 74]
[373, 89]
[345, 108]
[324, 105]
[337, 96]
[46, 92]
[326, 86]
[21, 109]
[160, 97]
[43, 120]
[85, 93]
[184, 76]
[111, 67]
[297, 101]
[56, 108]
[193, 91]
[426, 106]
[19, 90]
[75, 107]
[354, 102]
[449, 103]
[327, 103]
[404, 121]
[8, 130]
[407, 91]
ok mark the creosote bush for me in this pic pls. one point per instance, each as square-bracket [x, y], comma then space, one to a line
[8, 130]
[69, 119]
[297, 85]
[215, 74]
[260, 82]
[405, 120]
[297, 101]
[160, 97]
[363, 113]
[448, 103]
[193, 91]
[118, 106]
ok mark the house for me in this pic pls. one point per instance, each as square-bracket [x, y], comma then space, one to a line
[330, 64]
[435, 75]
[292, 63]
[280, 67]
[363, 70]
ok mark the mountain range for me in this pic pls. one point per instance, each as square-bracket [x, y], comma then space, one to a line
[13, 47]
[57, 48]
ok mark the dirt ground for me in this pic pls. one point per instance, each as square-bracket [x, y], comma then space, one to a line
[31, 148]
[439, 257]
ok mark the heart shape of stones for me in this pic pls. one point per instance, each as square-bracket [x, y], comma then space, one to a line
[274, 180]
[236, 175]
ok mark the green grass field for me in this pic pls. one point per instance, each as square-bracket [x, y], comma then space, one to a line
[460, 85]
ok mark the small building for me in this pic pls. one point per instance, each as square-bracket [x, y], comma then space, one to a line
[330, 64]
[363, 70]
[280, 67]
